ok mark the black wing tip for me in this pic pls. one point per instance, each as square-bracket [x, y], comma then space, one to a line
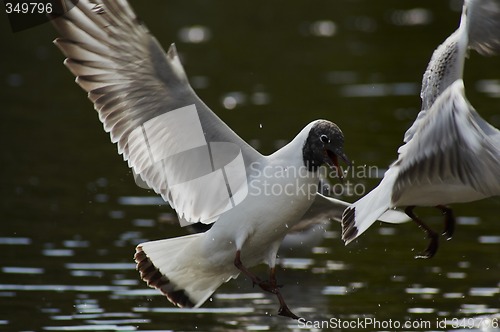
[349, 229]
[155, 279]
[180, 299]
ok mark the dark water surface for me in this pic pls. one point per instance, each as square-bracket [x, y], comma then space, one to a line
[71, 214]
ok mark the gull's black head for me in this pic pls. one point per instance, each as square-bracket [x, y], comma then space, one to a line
[324, 145]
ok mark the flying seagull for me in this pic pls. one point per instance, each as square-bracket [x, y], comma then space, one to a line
[451, 154]
[178, 147]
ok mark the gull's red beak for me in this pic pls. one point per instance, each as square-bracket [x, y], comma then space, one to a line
[332, 160]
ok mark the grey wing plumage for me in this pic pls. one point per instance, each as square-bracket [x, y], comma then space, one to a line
[479, 30]
[453, 146]
[483, 18]
[169, 137]
[445, 66]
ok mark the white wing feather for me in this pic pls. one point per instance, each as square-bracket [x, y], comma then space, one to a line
[136, 89]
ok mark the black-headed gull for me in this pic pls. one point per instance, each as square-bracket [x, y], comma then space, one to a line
[177, 146]
[451, 154]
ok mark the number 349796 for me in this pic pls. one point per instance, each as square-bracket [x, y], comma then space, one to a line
[28, 8]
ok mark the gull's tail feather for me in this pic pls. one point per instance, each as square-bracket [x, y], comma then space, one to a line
[171, 266]
[373, 206]
[394, 216]
[362, 214]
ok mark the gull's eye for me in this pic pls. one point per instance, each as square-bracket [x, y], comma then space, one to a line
[324, 139]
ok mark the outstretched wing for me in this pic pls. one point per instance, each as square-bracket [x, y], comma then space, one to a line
[483, 21]
[452, 146]
[168, 136]
[479, 30]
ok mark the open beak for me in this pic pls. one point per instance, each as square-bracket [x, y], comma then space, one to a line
[332, 160]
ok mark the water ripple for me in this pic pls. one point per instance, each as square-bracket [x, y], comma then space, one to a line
[62, 288]
[334, 290]
[15, 240]
[100, 266]
[90, 328]
[489, 239]
[484, 291]
[22, 270]
[233, 310]
[421, 290]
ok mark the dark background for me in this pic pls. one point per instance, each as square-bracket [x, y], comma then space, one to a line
[69, 226]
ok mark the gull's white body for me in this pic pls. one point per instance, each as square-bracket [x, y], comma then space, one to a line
[256, 226]
[450, 155]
